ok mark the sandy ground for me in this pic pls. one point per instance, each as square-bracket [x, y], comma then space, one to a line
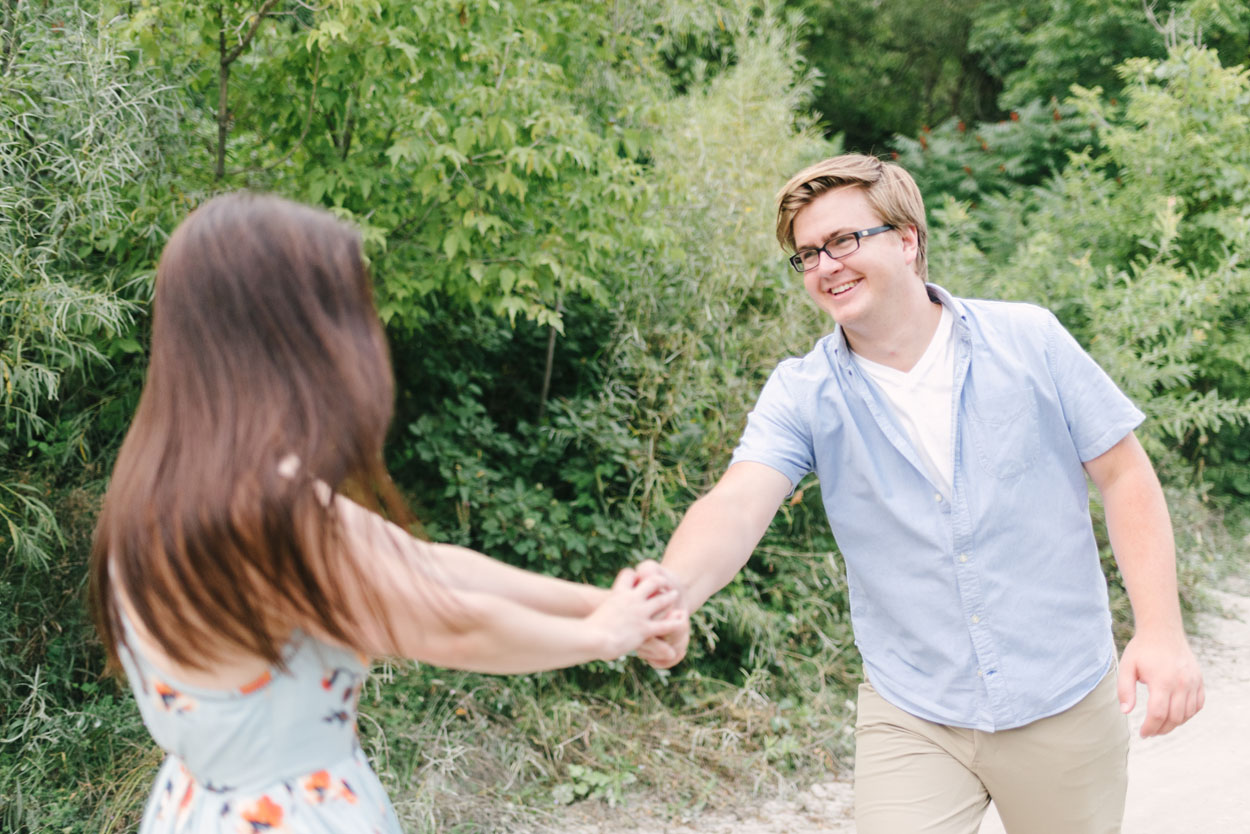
[1196, 779]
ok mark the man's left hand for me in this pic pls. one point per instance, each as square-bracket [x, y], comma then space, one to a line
[1167, 666]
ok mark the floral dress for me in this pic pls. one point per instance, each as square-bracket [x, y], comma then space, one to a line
[279, 755]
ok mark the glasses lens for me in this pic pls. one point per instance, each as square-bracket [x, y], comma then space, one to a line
[845, 245]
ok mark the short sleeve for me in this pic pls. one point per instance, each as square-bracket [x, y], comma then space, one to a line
[777, 434]
[1098, 413]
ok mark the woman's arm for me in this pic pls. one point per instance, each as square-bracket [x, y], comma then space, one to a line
[454, 607]
[468, 570]
[485, 633]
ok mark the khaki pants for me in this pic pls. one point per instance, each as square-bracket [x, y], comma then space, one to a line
[1066, 774]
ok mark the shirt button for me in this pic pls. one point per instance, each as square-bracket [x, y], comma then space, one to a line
[980, 674]
[976, 618]
[963, 557]
[937, 496]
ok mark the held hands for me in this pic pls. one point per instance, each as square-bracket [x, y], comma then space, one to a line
[638, 611]
[667, 650]
[1167, 666]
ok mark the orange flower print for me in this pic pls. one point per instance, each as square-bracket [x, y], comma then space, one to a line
[256, 685]
[170, 699]
[316, 786]
[320, 786]
[264, 816]
[184, 805]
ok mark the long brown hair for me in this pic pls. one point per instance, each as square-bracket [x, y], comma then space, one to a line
[265, 344]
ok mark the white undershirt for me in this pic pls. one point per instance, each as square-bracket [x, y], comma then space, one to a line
[920, 400]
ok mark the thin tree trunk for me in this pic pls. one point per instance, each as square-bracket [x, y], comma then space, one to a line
[349, 124]
[228, 57]
[551, 354]
[223, 100]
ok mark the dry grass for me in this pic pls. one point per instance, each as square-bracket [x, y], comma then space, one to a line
[465, 764]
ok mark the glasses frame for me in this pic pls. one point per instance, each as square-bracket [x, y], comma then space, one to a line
[796, 259]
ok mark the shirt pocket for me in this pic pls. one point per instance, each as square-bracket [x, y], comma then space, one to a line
[1005, 432]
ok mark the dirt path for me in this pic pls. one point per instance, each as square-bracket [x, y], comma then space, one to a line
[1195, 779]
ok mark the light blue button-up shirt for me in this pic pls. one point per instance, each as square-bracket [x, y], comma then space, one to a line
[987, 610]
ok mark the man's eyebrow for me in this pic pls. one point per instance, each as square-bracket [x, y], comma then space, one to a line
[836, 233]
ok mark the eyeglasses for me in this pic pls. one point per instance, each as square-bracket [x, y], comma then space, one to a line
[839, 247]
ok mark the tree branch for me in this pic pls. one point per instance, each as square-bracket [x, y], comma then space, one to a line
[312, 99]
[229, 58]
[349, 124]
[551, 353]
[223, 88]
[412, 221]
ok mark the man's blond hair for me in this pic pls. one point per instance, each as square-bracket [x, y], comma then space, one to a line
[890, 190]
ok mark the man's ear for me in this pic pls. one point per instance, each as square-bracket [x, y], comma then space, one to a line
[911, 243]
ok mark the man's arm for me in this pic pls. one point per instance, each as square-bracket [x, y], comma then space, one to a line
[1140, 529]
[714, 540]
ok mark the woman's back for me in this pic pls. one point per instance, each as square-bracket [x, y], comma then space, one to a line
[278, 754]
[265, 344]
[266, 350]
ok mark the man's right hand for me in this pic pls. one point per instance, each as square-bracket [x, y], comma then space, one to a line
[710, 545]
[666, 651]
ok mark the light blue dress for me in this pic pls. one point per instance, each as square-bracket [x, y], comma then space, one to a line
[279, 755]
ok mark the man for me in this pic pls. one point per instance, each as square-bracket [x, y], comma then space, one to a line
[952, 439]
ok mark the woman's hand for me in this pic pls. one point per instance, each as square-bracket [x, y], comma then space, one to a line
[668, 650]
[635, 611]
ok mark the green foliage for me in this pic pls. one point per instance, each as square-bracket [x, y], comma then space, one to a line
[588, 783]
[480, 160]
[893, 67]
[711, 305]
[702, 301]
[896, 68]
[1040, 49]
[75, 753]
[82, 138]
[562, 516]
[568, 211]
[71, 131]
[970, 163]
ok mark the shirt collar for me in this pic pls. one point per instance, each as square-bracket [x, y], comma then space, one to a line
[957, 308]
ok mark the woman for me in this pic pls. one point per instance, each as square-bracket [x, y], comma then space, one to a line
[235, 581]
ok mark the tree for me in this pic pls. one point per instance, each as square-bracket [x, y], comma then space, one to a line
[895, 67]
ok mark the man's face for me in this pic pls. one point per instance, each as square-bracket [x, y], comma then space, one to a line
[861, 288]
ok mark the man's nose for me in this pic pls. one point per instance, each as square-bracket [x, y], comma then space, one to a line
[827, 264]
